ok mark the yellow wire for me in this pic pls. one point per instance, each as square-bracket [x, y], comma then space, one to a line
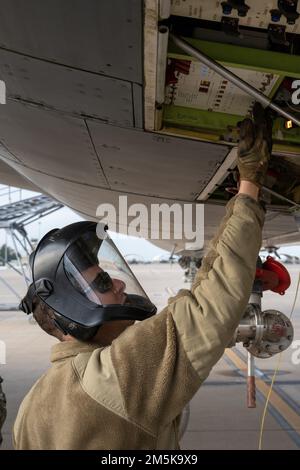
[267, 403]
[274, 377]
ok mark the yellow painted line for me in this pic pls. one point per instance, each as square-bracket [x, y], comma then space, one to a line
[284, 409]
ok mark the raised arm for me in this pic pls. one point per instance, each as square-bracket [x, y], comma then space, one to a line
[159, 364]
[223, 284]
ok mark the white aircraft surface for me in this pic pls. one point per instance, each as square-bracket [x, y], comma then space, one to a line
[100, 104]
[103, 99]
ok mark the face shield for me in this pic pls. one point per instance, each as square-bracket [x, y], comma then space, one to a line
[86, 282]
[97, 270]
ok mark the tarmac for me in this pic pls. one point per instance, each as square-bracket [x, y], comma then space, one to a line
[219, 417]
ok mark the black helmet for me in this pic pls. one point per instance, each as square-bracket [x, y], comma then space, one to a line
[74, 271]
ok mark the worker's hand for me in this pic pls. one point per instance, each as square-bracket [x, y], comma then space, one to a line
[255, 146]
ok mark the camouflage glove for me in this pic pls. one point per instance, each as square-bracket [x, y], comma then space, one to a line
[255, 146]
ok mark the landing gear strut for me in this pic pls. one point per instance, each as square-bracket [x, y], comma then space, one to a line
[190, 265]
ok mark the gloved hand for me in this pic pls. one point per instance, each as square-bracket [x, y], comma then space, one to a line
[255, 146]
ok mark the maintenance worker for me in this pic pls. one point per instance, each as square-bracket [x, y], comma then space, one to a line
[116, 383]
[2, 409]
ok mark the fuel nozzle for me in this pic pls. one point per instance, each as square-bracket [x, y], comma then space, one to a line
[269, 332]
[264, 333]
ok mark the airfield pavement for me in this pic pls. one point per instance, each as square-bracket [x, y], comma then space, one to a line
[219, 417]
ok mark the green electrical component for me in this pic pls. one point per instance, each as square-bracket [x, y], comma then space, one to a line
[200, 102]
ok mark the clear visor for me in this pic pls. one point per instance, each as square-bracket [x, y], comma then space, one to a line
[99, 272]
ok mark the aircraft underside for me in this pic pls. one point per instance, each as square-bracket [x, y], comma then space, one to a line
[104, 102]
[99, 103]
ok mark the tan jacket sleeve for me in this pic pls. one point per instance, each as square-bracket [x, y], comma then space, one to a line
[222, 286]
[160, 363]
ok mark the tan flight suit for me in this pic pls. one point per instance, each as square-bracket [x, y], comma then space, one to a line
[130, 395]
